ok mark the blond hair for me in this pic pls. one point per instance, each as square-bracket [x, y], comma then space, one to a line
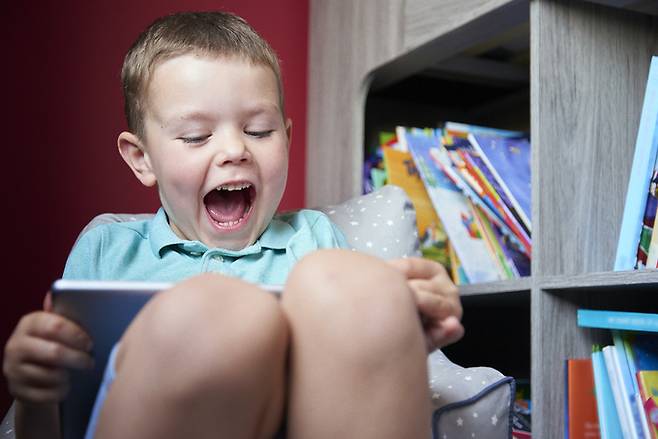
[217, 34]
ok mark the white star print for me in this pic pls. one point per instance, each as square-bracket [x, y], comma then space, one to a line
[460, 422]
[494, 420]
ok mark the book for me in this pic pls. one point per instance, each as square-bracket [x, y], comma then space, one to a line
[652, 257]
[644, 161]
[452, 207]
[401, 171]
[622, 405]
[583, 420]
[630, 389]
[648, 382]
[605, 403]
[648, 220]
[508, 159]
[629, 321]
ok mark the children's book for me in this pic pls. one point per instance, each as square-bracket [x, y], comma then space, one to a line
[605, 403]
[509, 162]
[401, 171]
[629, 321]
[581, 401]
[630, 387]
[622, 404]
[648, 221]
[453, 209]
[644, 163]
[652, 257]
[648, 381]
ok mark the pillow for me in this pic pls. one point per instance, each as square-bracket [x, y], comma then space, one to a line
[381, 223]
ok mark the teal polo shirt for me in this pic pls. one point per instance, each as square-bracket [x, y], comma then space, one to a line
[149, 250]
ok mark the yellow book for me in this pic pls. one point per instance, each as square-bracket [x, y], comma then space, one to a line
[401, 171]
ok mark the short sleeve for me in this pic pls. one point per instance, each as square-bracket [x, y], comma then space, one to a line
[84, 261]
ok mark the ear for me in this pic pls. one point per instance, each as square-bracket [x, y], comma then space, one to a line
[289, 130]
[134, 154]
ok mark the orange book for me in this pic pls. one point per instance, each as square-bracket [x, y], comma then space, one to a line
[401, 171]
[583, 417]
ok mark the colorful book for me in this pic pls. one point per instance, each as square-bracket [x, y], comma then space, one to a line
[648, 220]
[509, 162]
[581, 400]
[652, 257]
[629, 321]
[401, 171]
[453, 208]
[605, 403]
[648, 382]
[644, 161]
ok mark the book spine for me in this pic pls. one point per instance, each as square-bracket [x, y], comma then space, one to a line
[630, 321]
[615, 383]
[608, 418]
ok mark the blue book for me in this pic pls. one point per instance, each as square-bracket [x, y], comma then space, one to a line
[628, 321]
[509, 162]
[644, 160]
[605, 402]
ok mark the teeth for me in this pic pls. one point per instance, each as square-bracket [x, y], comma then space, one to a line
[229, 223]
[233, 187]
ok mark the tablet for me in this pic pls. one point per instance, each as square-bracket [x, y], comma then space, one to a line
[104, 309]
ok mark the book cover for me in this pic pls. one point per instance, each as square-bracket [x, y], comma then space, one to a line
[509, 162]
[652, 257]
[581, 400]
[401, 171]
[629, 321]
[630, 388]
[453, 209]
[648, 382]
[605, 403]
[648, 220]
[622, 405]
[644, 160]
[484, 184]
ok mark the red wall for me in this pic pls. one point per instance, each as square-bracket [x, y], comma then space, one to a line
[60, 70]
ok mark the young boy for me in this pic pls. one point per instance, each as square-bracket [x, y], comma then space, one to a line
[342, 353]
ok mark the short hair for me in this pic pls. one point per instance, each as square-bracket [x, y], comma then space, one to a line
[218, 34]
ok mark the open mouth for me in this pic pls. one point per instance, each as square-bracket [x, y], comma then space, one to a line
[230, 204]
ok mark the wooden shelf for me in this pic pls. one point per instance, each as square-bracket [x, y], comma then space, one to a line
[577, 83]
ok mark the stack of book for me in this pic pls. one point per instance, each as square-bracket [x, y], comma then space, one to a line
[624, 376]
[470, 186]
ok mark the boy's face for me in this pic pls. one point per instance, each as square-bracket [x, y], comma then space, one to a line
[216, 143]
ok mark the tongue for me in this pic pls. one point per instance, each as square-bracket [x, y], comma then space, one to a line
[224, 206]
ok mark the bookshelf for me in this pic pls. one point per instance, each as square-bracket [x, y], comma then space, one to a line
[573, 72]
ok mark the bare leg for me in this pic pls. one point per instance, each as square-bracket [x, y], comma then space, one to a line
[205, 359]
[358, 358]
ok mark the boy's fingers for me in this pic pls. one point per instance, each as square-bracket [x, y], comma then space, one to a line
[418, 268]
[41, 376]
[54, 354]
[57, 328]
[447, 332]
[435, 306]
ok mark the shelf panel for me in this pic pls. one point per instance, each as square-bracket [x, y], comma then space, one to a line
[522, 284]
[604, 281]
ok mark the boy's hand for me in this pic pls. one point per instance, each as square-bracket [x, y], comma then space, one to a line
[437, 299]
[38, 352]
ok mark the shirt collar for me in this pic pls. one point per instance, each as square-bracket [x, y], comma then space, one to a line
[276, 236]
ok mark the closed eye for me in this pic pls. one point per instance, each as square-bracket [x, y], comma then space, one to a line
[259, 134]
[194, 139]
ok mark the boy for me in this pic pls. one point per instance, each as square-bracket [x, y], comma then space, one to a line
[342, 352]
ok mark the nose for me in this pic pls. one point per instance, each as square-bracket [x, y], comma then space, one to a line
[232, 149]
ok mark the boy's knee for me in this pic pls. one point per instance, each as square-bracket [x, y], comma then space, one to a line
[210, 327]
[353, 295]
